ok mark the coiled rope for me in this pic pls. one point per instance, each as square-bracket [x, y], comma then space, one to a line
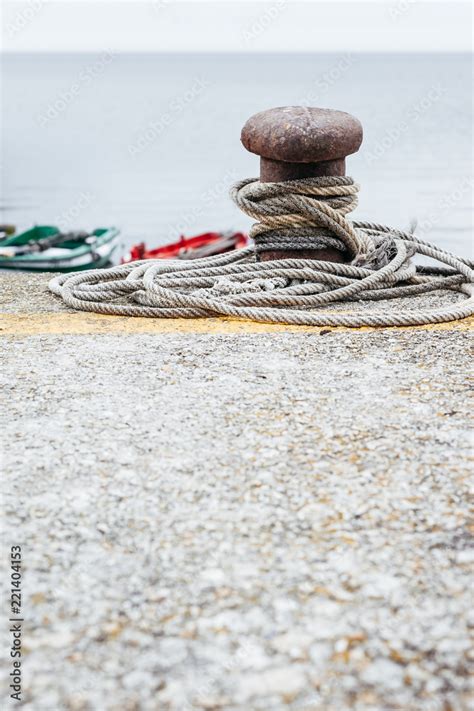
[308, 213]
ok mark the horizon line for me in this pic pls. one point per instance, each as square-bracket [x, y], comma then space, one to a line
[236, 52]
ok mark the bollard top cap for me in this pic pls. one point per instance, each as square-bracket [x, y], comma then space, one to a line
[302, 134]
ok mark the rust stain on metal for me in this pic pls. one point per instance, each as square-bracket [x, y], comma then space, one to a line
[296, 142]
[301, 134]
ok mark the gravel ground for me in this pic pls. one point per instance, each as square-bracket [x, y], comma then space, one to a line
[35, 292]
[228, 522]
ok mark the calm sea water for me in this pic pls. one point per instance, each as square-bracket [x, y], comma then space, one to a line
[151, 143]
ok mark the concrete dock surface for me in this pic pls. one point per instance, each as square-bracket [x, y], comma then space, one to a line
[222, 515]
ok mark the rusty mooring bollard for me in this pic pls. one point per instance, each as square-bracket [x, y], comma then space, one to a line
[301, 142]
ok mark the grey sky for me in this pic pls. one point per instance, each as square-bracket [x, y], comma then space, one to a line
[245, 26]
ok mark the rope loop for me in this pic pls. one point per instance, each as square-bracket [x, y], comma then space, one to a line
[311, 207]
[298, 214]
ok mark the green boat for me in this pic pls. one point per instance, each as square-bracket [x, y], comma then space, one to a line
[46, 248]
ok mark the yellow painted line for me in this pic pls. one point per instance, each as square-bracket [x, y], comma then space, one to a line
[81, 323]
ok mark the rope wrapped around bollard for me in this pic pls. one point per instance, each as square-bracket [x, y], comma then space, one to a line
[290, 214]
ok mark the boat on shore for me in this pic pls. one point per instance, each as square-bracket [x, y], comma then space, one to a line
[6, 230]
[46, 248]
[203, 245]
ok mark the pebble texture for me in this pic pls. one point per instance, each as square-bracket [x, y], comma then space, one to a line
[241, 522]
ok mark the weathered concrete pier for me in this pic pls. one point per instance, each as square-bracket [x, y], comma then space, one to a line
[217, 514]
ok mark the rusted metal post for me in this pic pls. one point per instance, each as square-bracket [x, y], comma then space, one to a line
[301, 142]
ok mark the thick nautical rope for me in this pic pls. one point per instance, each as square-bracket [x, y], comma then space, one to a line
[309, 213]
[299, 214]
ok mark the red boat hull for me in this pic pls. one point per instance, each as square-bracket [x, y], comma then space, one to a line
[190, 247]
